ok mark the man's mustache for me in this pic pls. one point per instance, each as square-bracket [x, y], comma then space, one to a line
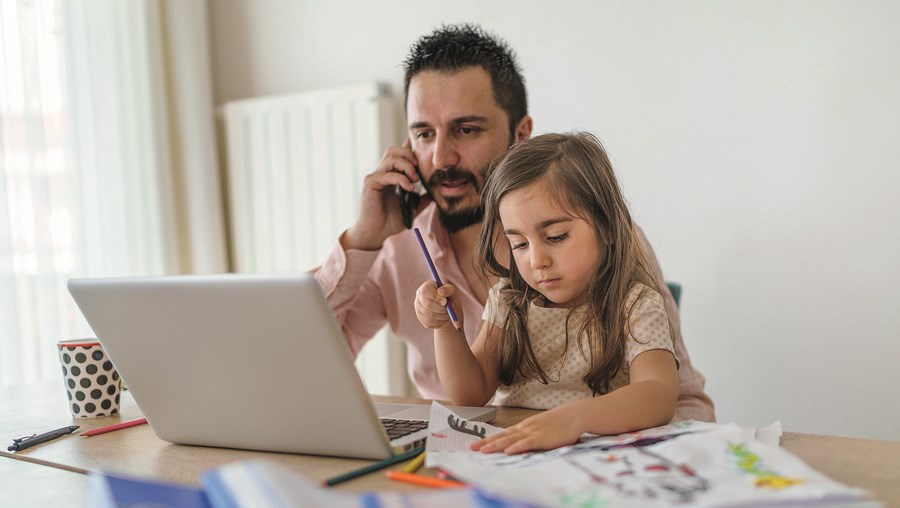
[452, 174]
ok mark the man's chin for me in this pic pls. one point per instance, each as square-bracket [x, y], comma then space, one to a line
[457, 220]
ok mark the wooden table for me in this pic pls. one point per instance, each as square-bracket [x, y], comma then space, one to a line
[25, 484]
[871, 465]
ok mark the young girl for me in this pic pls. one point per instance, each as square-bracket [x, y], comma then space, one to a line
[576, 324]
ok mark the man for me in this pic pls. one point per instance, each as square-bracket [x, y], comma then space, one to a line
[466, 105]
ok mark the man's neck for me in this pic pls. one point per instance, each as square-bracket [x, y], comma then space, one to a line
[463, 244]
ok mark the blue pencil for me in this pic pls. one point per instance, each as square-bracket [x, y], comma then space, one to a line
[436, 277]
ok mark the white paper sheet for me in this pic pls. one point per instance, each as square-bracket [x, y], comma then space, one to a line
[702, 464]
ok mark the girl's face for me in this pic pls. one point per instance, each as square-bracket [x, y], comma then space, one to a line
[557, 254]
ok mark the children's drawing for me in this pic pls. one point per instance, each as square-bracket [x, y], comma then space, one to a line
[671, 429]
[749, 462]
[504, 461]
[635, 440]
[682, 464]
[642, 474]
[583, 499]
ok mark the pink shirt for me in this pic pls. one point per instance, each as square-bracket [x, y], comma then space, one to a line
[368, 289]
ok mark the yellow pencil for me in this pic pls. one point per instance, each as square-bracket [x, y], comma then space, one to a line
[414, 465]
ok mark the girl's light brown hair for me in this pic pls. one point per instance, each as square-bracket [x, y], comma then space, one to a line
[576, 173]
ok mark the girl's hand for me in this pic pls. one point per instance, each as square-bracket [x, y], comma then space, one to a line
[431, 306]
[546, 431]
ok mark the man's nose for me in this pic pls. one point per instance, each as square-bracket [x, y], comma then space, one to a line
[445, 153]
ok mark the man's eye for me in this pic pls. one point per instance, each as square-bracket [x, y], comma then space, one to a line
[467, 130]
[423, 135]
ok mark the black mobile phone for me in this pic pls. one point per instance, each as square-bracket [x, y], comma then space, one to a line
[409, 201]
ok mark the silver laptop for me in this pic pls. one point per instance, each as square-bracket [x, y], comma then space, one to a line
[246, 361]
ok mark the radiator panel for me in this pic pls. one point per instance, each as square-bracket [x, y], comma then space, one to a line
[295, 167]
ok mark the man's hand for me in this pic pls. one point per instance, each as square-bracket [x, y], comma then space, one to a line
[379, 209]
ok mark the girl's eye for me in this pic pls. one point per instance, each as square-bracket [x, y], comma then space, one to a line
[517, 246]
[558, 238]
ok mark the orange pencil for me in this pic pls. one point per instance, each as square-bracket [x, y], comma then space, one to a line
[425, 481]
[110, 428]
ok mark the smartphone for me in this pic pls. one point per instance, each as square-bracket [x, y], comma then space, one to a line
[409, 201]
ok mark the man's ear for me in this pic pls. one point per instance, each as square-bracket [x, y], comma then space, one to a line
[523, 129]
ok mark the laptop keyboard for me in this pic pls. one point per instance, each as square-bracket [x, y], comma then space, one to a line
[399, 428]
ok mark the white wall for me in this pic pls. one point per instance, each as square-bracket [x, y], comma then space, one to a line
[758, 143]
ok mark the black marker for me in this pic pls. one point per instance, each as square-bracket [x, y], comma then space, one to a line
[22, 443]
[461, 425]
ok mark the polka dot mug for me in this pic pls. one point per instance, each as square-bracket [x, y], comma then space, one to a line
[92, 383]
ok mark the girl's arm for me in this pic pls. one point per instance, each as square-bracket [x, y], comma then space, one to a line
[468, 375]
[648, 401]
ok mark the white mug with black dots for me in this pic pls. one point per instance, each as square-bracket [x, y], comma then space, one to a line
[92, 383]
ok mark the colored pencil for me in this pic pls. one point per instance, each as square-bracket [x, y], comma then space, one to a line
[425, 481]
[381, 464]
[110, 428]
[436, 277]
[444, 475]
[414, 464]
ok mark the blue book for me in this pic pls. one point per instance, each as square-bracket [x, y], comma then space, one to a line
[111, 491]
[254, 483]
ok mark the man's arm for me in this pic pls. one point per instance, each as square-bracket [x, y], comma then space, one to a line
[693, 402]
[354, 295]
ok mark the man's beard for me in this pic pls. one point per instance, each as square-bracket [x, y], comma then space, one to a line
[460, 219]
[453, 219]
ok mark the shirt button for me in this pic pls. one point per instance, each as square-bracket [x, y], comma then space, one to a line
[338, 266]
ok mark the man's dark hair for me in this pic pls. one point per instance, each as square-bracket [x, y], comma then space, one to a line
[452, 48]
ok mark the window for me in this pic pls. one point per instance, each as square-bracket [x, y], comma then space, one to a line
[89, 182]
[36, 236]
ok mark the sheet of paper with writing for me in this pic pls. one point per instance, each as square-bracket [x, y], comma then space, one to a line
[703, 464]
[447, 433]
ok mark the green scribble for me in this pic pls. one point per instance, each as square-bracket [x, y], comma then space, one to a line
[750, 462]
[583, 499]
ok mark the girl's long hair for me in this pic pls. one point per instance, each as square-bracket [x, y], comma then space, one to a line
[576, 173]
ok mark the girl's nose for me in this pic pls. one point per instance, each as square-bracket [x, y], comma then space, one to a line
[539, 259]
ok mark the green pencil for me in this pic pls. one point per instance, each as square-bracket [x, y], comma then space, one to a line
[381, 464]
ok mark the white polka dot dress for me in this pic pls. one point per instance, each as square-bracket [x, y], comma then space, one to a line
[566, 368]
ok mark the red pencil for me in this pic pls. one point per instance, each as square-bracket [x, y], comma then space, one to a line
[444, 475]
[110, 428]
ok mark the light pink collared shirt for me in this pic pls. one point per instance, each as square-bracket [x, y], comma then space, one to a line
[368, 289]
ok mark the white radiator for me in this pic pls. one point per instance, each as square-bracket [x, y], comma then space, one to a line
[295, 169]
